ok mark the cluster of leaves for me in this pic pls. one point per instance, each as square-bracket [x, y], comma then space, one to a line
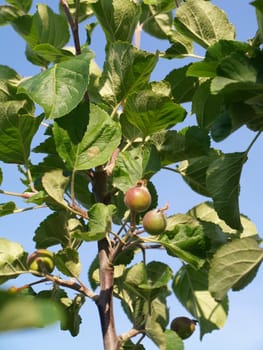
[108, 128]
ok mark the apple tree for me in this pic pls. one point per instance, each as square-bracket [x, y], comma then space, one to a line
[106, 132]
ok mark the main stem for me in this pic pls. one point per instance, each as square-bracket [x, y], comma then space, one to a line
[105, 301]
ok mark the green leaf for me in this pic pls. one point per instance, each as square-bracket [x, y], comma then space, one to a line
[191, 288]
[19, 312]
[133, 165]
[126, 70]
[203, 22]
[206, 106]
[24, 5]
[100, 219]
[202, 69]
[9, 14]
[67, 261]
[182, 86]
[82, 190]
[158, 275]
[156, 322]
[223, 178]
[194, 172]
[205, 212]
[173, 341]
[61, 88]
[83, 10]
[55, 183]
[44, 27]
[7, 73]
[50, 53]
[96, 146]
[72, 318]
[16, 134]
[148, 281]
[181, 46]
[259, 13]
[53, 230]
[185, 234]
[12, 260]
[151, 112]
[118, 18]
[234, 265]
[157, 21]
[224, 48]
[176, 146]
[7, 208]
[239, 76]
[184, 239]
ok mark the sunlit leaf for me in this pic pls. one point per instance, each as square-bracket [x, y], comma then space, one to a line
[12, 260]
[173, 341]
[44, 27]
[203, 22]
[53, 230]
[100, 220]
[67, 261]
[55, 183]
[151, 112]
[131, 166]
[16, 132]
[181, 46]
[9, 14]
[7, 73]
[24, 5]
[118, 18]
[234, 266]
[157, 21]
[126, 70]
[96, 146]
[60, 88]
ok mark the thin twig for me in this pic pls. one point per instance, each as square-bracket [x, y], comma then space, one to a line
[73, 25]
[253, 141]
[138, 34]
[73, 285]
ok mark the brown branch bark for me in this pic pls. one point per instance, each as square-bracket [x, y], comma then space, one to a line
[105, 300]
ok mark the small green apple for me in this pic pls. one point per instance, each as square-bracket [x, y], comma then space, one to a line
[154, 222]
[138, 198]
[42, 261]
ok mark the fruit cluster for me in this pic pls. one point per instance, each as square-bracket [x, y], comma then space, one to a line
[138, 199]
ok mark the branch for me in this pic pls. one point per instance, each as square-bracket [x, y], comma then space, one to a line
[73, 25]
[130, 334]
[79, 287]
[105, 300]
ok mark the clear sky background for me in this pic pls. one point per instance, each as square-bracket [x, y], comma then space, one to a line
[243, 330]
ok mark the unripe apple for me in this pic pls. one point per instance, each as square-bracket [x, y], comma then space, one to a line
[154, 222]
[138, 198]
[183, 326]
[41, 261]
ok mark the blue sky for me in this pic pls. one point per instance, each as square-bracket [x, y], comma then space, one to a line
[243, 329]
